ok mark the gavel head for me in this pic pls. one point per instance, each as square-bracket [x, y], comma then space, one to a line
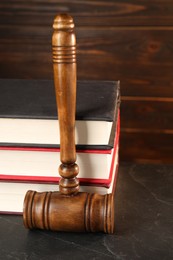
[83, 212]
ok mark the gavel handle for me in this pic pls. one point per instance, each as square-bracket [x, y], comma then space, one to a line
[64, 66]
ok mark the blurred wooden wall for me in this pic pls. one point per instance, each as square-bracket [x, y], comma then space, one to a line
[125, 40]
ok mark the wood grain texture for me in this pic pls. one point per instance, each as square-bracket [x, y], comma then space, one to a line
[125, 40]
[146, 147]
[136, 57]
[154, 115]
[90, 13]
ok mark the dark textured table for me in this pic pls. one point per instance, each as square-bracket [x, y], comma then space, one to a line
[144, 224]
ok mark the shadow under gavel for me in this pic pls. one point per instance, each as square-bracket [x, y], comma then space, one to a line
[67, 209]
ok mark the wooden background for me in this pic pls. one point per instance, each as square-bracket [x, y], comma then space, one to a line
[131, 41]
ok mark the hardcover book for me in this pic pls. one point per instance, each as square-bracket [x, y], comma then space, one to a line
[28, 115]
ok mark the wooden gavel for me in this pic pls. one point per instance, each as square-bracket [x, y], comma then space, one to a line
[68, 209]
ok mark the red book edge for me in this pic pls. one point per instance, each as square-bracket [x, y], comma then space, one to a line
[83, 181]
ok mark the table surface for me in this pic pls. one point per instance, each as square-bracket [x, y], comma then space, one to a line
[143, 218]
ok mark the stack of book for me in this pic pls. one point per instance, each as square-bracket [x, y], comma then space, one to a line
[29, 138]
